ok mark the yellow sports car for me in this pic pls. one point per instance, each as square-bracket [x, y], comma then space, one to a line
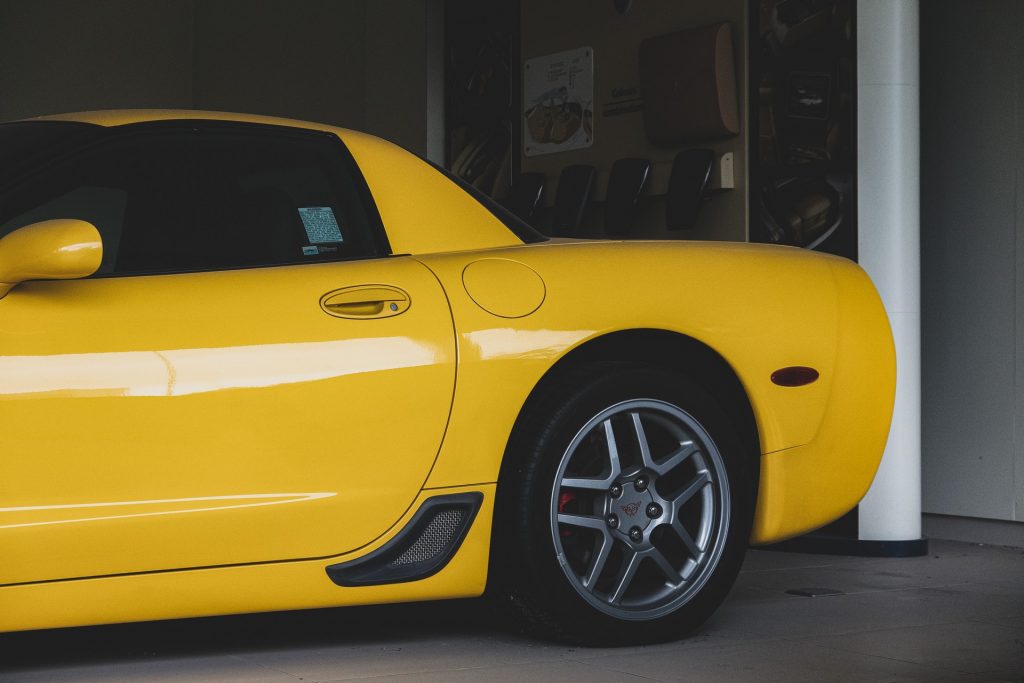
[252, 364]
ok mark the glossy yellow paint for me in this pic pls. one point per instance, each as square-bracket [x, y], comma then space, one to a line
[241, 589]
[503, 287]
[805, 487]
[819, 311]
[583, 303]
[147, 420]
[423, 211]
[206, 420]
[62, 249]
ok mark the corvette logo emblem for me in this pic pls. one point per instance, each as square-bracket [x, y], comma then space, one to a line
[631, 508]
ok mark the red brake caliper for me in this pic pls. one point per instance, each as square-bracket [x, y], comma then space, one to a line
[563, 500]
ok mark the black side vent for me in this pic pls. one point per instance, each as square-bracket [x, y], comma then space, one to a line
[421, 549]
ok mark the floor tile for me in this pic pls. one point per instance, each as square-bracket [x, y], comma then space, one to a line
[789, 662]
[544, 672]
[966, 647]
[424, 653]
[834, 615]
[769, 560]
[1015, 622]
[953, 562]
[223, 669]
[849, 579]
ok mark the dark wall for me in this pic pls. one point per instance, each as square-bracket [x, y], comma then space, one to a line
[303, 60]
[372, 65]
[67, 55]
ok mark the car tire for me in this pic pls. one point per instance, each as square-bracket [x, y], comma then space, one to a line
[624, 506]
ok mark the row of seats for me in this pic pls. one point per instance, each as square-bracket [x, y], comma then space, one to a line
[687, 189]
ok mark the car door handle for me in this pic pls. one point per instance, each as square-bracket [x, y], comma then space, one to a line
[366, 301]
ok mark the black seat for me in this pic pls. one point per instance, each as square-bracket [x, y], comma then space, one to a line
[622, 198]
[687, 187]
[527, 195]
[574, 185]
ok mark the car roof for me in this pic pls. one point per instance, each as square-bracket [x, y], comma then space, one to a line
[121, 117]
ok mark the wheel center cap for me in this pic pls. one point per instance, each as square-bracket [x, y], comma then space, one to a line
[631, 507]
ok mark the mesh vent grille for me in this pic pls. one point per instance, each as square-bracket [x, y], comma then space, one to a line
[435, 539]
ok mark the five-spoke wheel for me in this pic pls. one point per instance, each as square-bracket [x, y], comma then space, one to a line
[640, 509]
[624, 507]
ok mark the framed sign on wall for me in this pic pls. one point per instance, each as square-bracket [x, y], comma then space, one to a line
[558, 102]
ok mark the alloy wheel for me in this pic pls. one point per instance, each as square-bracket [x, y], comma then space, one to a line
[640, 509]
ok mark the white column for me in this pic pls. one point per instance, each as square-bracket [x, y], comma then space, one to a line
[888, 226]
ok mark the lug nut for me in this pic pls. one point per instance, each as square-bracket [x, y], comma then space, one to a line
[640, 484]
[654, 511]
[636, 534]
[613, 521]
[615, 490]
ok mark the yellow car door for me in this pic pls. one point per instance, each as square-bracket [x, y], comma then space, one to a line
[251, 377]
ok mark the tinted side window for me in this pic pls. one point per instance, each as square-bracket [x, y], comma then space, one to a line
[201, 198]
[24, 143]
[265, 198]
[140, 181]
[155, 174]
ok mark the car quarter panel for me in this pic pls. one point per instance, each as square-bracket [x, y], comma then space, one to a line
[423, 211]
[805, 487]
[760, 308]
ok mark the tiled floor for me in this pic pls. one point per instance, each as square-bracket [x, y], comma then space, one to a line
[957, 614]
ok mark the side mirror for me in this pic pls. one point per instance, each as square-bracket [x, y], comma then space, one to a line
[62, 249]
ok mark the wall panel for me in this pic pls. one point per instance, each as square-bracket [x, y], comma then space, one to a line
[971, 161]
